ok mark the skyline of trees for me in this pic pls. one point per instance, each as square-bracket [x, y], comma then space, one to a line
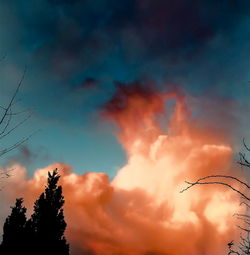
[43, 233]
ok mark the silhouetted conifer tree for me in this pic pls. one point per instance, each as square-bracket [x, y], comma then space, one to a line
[47, 225]
[14, 232]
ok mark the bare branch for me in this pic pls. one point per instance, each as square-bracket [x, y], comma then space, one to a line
[246, 147]
[15, 127]
[244, 229]
[243, 161]
[244, 245]
[6, 173]
[7, 127]
[198, 182]
[15, 145]
[242, 215]
[13, 97]
[223, 176]
[244, 203]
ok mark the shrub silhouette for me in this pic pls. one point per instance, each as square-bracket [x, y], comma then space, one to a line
[14, 231]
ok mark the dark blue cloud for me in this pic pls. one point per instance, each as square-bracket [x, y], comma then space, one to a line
[69, 38]
[197, 44]
[133, 39]
[71, 46]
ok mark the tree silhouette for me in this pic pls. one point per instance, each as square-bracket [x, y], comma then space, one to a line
[47, 225]
[14, 232]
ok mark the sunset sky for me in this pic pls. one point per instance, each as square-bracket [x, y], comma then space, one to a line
[91, 63]
[76, 49]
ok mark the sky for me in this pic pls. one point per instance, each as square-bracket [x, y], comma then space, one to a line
[85, 58]
[76, 51]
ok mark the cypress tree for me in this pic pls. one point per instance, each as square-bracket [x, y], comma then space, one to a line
[14, 233]
[47, 224]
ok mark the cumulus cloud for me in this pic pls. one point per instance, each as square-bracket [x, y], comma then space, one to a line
[141, 211]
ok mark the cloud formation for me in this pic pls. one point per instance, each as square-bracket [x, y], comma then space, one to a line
[141, 211]
[200, 45]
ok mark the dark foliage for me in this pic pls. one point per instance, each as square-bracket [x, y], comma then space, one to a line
[14, 232]
[47, 224]
[43, 233]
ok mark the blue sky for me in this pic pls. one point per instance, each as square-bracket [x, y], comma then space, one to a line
[75, 51]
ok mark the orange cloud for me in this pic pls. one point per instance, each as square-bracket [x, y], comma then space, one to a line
[142, 212]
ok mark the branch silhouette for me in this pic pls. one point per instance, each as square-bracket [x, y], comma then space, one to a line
[244, 244]
[9, 124]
